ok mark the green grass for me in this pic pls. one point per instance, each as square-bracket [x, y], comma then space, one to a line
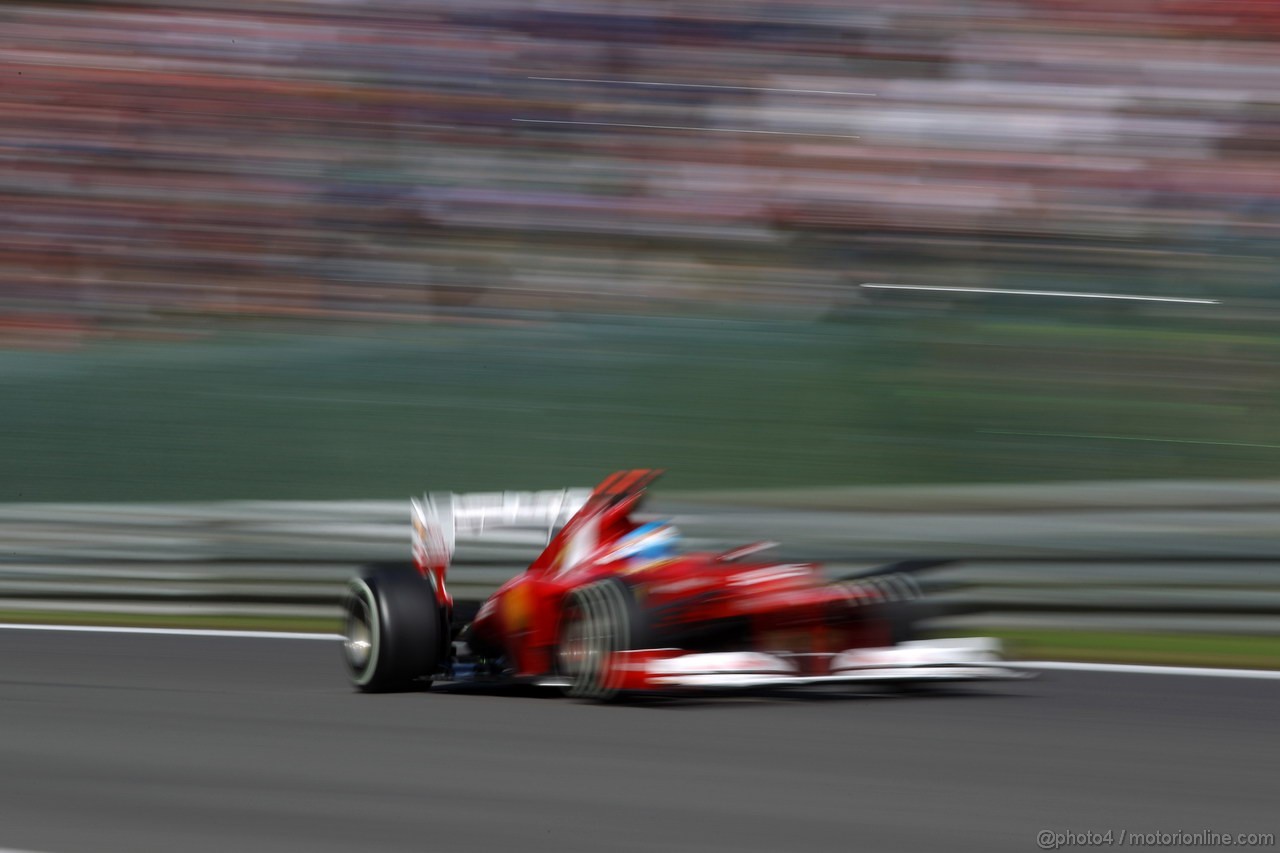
[1213, 650]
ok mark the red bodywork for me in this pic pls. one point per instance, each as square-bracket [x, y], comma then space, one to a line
[704, 602]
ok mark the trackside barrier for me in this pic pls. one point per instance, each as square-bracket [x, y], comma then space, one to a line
[278, 559]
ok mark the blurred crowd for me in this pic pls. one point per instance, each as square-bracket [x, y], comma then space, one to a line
[367, 158]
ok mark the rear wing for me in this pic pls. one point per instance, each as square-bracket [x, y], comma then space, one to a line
[441, 519]
[603, 517]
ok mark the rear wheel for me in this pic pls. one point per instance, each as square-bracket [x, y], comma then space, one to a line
[392, 629]
[598, 620]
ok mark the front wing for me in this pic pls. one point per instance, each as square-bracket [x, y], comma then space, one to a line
[924, 661]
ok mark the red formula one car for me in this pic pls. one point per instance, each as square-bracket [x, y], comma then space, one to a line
[612, 607]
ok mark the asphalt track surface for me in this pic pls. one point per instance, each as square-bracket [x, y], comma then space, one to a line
[118, 743]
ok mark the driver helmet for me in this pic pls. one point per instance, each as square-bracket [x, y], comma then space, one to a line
[656, 540]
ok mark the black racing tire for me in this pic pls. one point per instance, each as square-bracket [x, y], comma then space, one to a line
[900, 616]
[597, 620]
[893, 600]
[393, 629]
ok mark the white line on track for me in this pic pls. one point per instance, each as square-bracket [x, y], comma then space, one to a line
[703, 86]
[1136, 669]
[1142, 669]
[682, 127]
[1072, 294]
[174, 632]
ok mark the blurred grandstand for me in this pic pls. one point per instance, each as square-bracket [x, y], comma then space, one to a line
[387, 158]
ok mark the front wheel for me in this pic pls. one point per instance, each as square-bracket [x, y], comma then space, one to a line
[392, 629]
[598, 620]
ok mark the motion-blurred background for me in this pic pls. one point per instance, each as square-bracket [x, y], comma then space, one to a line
[316, 249]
